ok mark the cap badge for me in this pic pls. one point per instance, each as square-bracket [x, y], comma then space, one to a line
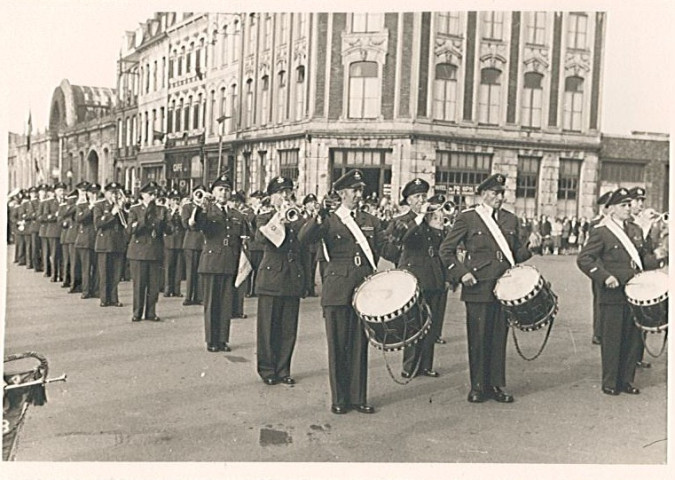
[357, 176]
[417, 181]
[280, 180]
[500, 178]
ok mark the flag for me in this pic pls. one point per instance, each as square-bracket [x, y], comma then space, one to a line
[244, 268]
[30, 130]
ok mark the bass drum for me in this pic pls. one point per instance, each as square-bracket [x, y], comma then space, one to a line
[391, 310]
[647, 295]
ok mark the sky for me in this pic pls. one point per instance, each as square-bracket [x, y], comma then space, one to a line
[80, 40]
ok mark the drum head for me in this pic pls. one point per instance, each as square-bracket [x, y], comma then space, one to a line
[385, 293]
[517, 283]
[647, 286]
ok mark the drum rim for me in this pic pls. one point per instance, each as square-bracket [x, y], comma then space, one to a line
[529, 296]
[400, 311]
[649, 302]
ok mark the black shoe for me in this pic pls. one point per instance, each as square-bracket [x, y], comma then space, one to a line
[271, 380]
[596, 340]
[135, 319]
[364, 408]
[154, 318]
[225, 348]
[168, 295]
[476, 396]
[643, 364]
[178, 295]
[440, 341]
[338, 409]
[86, 295]
[116, 304]
[500, 395]
[430, 373]
[198, 302]
[104, 304]
[75, 290]
[610, 391]
[288, 380]
[628, 388]
[405, 374]
[212, 348]
[65, 285]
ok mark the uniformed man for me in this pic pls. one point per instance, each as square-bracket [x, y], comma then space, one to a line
[52, 231]
[44, 194]
[192, 249]
[279, 285]
[491, 239]
[110, 222]
[255, 248]
[419, 255]
[85, 241]
[223, 229]
[310, 205]
[66, 217]
[353, 242]
[238, 202]
[614, 253]
[173, 247]
[146, 226]
[29, 214]
[595, 287]
[414, 194]
[19, 228]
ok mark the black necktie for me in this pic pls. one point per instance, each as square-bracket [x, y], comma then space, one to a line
[494, 214]
[353, 214]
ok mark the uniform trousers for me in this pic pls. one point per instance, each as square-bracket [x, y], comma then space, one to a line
[193, 290]
[55, 259]
[35, 256]
[66, 263]
[597, 326]
[110, 265]
[20, 249]
[173, 270]
[621, 345]
[423, 352]
[46, 256]
[75, 267]
[86, 259]
[276, 336]
[145, 278]
[218, 291]
[347, 356]
[486, 331]
[238, 295]
[255, 257]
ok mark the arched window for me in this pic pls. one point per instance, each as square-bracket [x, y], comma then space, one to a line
[179, 113]
[264, 99]
[180, 61]
[363, 90]
[233, 108]
[574, 97]
[186, 114]
[445, 92]
[196, 117]
[299, 92]
[169, 118]
[249, 102]
[188, 59]
[212, 118]
[490, 96]
[532, 100]
[281, 96]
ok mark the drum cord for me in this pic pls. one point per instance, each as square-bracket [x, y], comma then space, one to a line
[514, 325]
[663, 346]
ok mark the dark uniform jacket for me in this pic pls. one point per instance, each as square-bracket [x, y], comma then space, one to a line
[175, 235]
[67, 220]
[110, 237]
[604, 256]
[32, 211]
[483, 256]
[222, 239]
[50, 217]
[394, 232]
[420, 255]
[193, 239]
[254, 245]
[42, 217]
[146, 227]
[347, 265]
[281, 272]
[86, 232]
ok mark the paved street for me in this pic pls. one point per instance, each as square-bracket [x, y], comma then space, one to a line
[151, 392]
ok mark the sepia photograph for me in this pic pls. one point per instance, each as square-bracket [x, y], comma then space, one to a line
[353, 240]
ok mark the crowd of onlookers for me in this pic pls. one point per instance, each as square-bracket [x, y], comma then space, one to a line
[554, 235]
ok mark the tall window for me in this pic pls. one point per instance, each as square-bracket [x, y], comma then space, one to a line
[186, 114]
[526, 185]
[363, 90]
[445, 92]
[169, 118]
[264, 99]
[233, 108]
[490, 96]
[237, 41]
[574, 96]
[448, 23]
[224, 51]
[252, 33]
[153, 125]
[493, 25]
[223, 102]
[532, 94]
[195, 115]
[249, 102]
[288, 163]
[568, 186]
[180, 62]
[198, 61]
[367, 22]
[120, 133]
[188, 59]
[163, 72]
[536, 28]
[154, 76]
[128, 131]
[281, 97]
[577, 26]
[299, 92]
[171, 65]
[458, 174]
[161, 119]
[267, 43]
[301, 19]
[283, 28]
[622, 172]
[179, 114]
[212, 119]
[146, 137]
[147, 78]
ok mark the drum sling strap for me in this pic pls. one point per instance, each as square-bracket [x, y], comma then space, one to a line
[625, 241]
[352, 226]
[496, 233]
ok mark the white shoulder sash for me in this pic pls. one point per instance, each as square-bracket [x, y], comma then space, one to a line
[625, 241]
[360, 238]
[496, 233]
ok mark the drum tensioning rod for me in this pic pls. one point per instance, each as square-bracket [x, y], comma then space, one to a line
[62, 378]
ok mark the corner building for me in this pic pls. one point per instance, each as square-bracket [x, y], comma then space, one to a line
[447, 96]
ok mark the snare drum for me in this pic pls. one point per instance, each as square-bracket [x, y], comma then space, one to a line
[647, 295]
[391, 309]
[526, 297]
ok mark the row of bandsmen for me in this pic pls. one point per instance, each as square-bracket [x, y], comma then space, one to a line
[482, 244]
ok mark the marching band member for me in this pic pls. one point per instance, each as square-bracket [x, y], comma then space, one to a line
[595, 286]
[238, 202]
[223, 230]
[52, 231]
[66, 217]
[85, 241]
[353, 242]
[110, 222]
[492, 241]
[614, 253]
[173, 247]
[33, 258]
[146, 226]
[192, 249]
[44, 194]
[21, 234]
[279, 285]
[310, 206]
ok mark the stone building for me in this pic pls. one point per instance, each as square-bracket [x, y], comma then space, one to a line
[29, 165]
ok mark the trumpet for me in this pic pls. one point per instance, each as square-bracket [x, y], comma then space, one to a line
[290, 211]
[200, 196]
